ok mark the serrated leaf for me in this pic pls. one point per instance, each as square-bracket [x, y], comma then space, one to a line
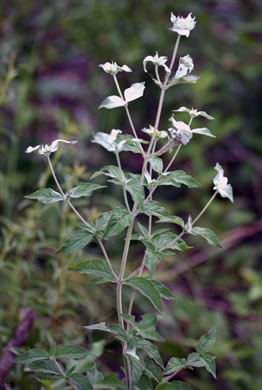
[208, 235]
[80, 381]
[111, 171]
[209, 363]
[152, 259]
[176, 385]
[152, 207]
[95, 267]
[150, 350]
[45, 366]
[157, 164]
[181, 177]
[206, 342]
[77, 241]
[134, 92]
[84, 189]
[71, 351]
[137, 192]
[163, 290]
[144, 383]
[118, 221]
[111, 382]
[147, 288]
[94, 375]
[175, 365]
[112, 102]
[137, 368]
[32, 355]
[102, 221]
[153, 369]
[203, 131]
[46, 196]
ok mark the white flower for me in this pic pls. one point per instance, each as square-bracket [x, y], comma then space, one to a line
[47, 149]
[221, 184]
[185, 66]
[194, 113]
[157, 61]
[113, 68]
[159, 133]
[182, 25]
[108, 141]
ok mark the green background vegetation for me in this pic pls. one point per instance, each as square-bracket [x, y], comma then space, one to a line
[50, 88]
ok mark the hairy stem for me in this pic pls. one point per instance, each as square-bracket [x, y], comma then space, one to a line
[63, 373]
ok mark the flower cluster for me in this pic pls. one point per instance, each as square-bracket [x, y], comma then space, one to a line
[112, 68]
[221, 183]
[157, 61]
[182, 26]
[48, 149]
[185, 66]
[194, 113]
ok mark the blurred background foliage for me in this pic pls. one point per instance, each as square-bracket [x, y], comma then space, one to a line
[50, 88]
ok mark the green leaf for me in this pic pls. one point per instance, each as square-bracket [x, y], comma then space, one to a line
[180, 177]
[157, 164]
[32, 355]
[95, 376]
[163, 290]
[84, 189]
[77, 241]
[137, 368]
[176, 385]
[175, 365]
[80, 381]
[131, 144]
[152, 207]
[209, 363]
[153, 370]
[95, 267]
[111, 171]
[151, 350]
[71, 351]
[112, 102]
[172, 219]
[111, 382]
[152, 259]
[206, 342]
[145, 328]
[207, 234]
[101, 326]
[144, 383]
[118, 221]
[134, 92]
[46, 196]
[46, 366]
[102, 221]
[203, 131]
[147, 288]
[137, 192]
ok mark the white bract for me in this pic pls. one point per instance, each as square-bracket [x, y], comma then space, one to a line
[108, 141]
[194, 113]
[157, 61]
[47, 149]
[112, 68]
[221, 183]
[185, 66]
[132, 93]
[181, 25]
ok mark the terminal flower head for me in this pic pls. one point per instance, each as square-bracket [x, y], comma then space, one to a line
[112, 68]
[221, 183]
[113, 136]
[48, 149]
[181, 25]
[157, 61]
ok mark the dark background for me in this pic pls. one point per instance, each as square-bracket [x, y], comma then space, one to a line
[51, 87]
